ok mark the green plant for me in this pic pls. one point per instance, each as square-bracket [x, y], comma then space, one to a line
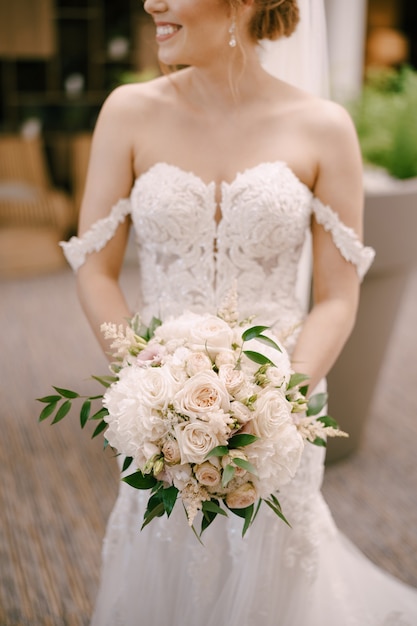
[386, 121]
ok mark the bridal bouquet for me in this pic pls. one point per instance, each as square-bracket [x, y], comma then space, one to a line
[207, 410]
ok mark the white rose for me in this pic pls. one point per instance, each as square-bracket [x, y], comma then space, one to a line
[176, 329]
[225, 357]
[279, 358]
[233, 379]
[212, 334]
[202, 394]
[242, 497]
[207, 474]
[196, 440]
[197, 362]
[271, 413]
[241, 412]
[155, 387]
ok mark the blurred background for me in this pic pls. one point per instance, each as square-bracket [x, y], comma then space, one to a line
[58, 61]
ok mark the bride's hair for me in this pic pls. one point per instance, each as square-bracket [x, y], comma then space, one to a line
[272, 18]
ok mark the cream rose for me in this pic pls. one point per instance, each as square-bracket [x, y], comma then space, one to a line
[229, 458]
[171, 452]
[195, 440]
[197, 362]
[155, 386]
[202, 394]
[243, 496]
[207, 474]
[225, 357]
[233, 379]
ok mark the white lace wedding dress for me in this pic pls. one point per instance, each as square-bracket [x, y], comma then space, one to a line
[307, 575]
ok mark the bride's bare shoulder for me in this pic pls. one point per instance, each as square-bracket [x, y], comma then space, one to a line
[139, 98]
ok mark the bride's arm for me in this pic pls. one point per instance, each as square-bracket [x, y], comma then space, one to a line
[335, 280]
[109, 178]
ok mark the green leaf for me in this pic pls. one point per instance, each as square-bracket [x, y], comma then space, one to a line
[169, 498]
[49, 399]
[157, 511]
[85, 412]
[277, 510]
[99, 429]
[99, 414]
[67, 393]
[212, 507]
[127, 463]
[248, 519]
[253, 333]
[268, 342]
[106, 381]
[328, 421]
[206, 520]
[47, 410]
[319, 442]
[63, 410]
[316, 403]
[140, 481]
[228, 473]
[245, 465]
[296, 379]
[241, 440]
[218, 451]
[155, 322]
[256, 357]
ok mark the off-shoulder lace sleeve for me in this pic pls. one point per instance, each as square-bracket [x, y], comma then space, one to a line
[345, 238]
[94, 239]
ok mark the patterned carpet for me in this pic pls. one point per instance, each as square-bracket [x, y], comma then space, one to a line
[57, 486]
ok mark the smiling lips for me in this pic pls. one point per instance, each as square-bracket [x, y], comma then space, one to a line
[165, 31]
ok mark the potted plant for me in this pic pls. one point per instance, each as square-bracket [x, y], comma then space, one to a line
[386, 120]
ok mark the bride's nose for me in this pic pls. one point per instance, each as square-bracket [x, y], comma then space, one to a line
[155, 6]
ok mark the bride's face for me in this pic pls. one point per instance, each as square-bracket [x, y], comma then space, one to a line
[190, 32]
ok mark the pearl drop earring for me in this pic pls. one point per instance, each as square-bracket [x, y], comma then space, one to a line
[232, 33]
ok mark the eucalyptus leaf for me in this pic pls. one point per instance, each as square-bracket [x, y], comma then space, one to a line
[47, 411]
[277, 510]
[106, 381]
[268, 342]
[258, 358]
[140, 481]
[213, 507]
[241, 440]
[218, 451]
[296, 379]
[85, 412]
[316, 403]
[328, 421]
[253, 333]
[63, 410]
[248, 519]
[49, 399]
[245, 465]
[228, 473]
[319, 441]
[127, 463]
[99, 414]
[67, 393]
[157, 511]
[99, 429]
[169, 498]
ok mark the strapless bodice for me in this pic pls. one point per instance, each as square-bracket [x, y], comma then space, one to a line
[188, 260]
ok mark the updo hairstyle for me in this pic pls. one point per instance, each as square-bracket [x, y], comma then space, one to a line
[272, 19]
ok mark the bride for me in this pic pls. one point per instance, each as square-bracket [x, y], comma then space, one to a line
[223, 169]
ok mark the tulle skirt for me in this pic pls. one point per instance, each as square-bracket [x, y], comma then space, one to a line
[306, 575]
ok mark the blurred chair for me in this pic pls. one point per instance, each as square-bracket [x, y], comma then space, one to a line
[34, 215]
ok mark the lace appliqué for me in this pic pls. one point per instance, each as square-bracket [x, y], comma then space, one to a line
[345, 238]
[100, 233]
